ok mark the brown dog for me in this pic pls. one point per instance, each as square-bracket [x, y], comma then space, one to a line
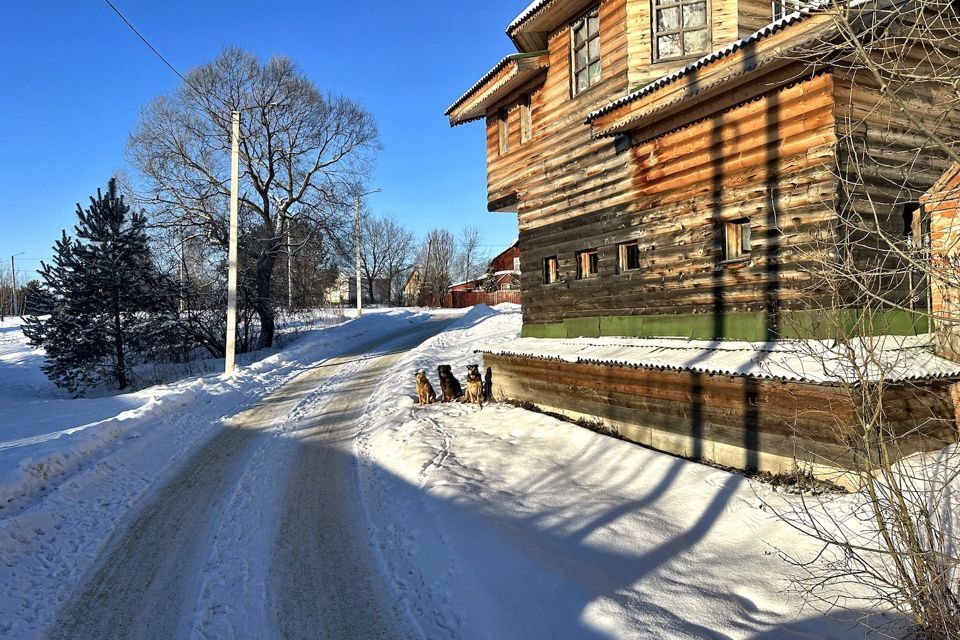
[450, 388]
[425, 392]
[474, 385]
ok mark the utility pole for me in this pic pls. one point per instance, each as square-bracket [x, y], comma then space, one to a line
[356, 240]
[13, 276]
[231, 345]
[289, 266]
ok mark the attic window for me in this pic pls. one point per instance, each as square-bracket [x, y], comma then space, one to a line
[736, 240]
[551, 272]
[588, 264]
[585, 51]
[680, 28]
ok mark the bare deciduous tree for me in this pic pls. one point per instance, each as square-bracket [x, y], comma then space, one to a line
[302, 153]
[892, 545]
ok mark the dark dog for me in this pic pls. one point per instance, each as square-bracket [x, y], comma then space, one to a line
[449, 385]
[488, 385]
[474, 385]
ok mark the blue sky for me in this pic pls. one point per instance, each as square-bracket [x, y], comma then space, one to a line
[75, 79]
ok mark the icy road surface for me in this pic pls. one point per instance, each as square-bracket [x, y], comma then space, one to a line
[290, 459]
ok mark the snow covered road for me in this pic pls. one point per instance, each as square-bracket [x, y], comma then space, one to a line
[171, 572]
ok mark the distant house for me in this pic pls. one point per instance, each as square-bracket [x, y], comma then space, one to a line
[413, 289]
[503, 275]
[343, 290]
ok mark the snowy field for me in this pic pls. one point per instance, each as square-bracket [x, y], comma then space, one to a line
[489, 522]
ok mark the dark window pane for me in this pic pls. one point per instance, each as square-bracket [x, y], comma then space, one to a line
[594, 22]
[579, 37]
[581, 56]
[594, 49]
[594, 73]
[582, 82]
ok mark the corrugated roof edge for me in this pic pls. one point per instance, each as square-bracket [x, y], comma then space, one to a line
[489, 74]
[723, 52]
[661, 366]
[525, 15]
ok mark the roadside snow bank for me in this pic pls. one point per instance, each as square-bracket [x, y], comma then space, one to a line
[502, 523]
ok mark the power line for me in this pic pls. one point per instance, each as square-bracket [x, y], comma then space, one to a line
[151, 47]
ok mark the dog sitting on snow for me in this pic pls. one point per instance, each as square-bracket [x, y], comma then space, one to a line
[474, 385]
[425, 392]
[450, 388]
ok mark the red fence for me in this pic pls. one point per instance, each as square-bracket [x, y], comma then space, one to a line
[460, 299]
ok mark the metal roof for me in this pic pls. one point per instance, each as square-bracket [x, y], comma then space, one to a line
[531, 9]
[489, 74]
[891, 358]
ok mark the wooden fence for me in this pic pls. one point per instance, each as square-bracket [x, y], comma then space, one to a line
[460, 299]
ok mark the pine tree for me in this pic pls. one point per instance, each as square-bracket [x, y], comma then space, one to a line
[109, 307]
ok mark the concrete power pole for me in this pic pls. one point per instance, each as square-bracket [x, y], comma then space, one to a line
[231, 346]
[289, 267]
[13, 276]
[356, 241]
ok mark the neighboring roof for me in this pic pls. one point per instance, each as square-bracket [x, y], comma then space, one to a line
[524, 64]
[894, 358]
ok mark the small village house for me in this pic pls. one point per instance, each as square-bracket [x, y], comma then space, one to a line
[500, 283]
[678, 168]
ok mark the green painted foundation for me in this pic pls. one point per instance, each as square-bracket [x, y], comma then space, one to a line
[749, 326]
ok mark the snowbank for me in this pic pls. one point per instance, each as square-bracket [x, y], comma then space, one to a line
[501, 523]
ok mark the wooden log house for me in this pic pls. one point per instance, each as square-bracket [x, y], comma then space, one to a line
[675, 166]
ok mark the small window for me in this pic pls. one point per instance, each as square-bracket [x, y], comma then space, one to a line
[585, 51]
[551, 271]
[736, 241]
[628, 258]
[680, 28]
[910, 218]
[588, 264]
[516, 263]
[913, 233]
[782, 8]
[526, 119]
[503, 131]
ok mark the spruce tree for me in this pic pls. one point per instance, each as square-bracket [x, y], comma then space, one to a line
[109, 307]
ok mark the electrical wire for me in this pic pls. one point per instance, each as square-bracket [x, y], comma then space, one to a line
[151, 47]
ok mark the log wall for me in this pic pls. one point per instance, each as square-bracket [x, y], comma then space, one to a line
[770, 159]
[738, 422]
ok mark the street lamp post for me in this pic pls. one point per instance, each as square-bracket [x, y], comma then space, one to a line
[356, 241]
